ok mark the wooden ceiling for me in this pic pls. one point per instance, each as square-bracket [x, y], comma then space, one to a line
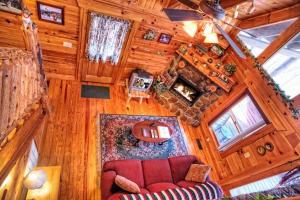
[71, 63]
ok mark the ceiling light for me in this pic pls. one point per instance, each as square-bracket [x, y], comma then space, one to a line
[211, 38]
[251, 9]
[236, 12]
[208, 29]
[190, 27]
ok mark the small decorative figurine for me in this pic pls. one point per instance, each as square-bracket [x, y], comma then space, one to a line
[217, 50]
[269, 146]
[150, 35]
[210, 60]
[230, 69]
[261, 150]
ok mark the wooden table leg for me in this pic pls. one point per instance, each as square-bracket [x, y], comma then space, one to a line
[141, 100]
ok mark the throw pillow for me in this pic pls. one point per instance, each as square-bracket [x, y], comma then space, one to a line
[127, 184]
[198, 173]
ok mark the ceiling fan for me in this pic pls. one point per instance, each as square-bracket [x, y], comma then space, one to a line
[209, 9]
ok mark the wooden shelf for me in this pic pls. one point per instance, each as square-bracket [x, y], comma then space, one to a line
[199, 62]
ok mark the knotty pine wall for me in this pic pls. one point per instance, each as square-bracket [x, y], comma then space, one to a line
[59, 61]
[231, 167]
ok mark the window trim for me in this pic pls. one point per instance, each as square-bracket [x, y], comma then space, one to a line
[243, 139]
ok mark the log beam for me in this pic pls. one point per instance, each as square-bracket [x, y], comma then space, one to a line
[279, 42]
[226, 4]
[272, 17]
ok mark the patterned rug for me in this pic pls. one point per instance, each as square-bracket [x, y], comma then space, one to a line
[117, 143]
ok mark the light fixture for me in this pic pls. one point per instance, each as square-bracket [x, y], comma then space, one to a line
[190, 27]
[211, 38]
[208, 29]
[251, 9]
[236, 12]
[35, 179]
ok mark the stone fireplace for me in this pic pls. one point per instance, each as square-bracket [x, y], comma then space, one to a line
[185, 90]
[189, 93]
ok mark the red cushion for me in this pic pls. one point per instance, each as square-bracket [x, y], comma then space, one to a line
[180, 165]
[186, 184]
[156, 171]
[156, 187]
[118, 196]
[130, 169]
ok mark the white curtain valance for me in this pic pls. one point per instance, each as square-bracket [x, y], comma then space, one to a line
[106, 38]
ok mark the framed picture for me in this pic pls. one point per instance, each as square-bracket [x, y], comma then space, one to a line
[50, 13]
[165, 38]
[12, 6]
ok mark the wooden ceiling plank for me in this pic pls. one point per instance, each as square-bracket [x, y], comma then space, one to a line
[272, 17]
[278, 43]
[226, 4]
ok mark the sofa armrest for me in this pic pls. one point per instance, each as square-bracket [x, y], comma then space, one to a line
[107, 181]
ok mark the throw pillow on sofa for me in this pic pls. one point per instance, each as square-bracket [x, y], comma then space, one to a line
[127, 184]
[198, 173]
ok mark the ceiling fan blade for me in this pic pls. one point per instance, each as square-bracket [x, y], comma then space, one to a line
[190, 4]
[182, 15]
[231, 42]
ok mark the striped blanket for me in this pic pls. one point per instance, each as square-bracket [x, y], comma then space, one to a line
[203, 191]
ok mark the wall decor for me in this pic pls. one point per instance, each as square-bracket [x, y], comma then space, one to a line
[165, 38]
[269, 146]
[217, 51]
[106, 38]
[12, 6]
[181, 64]
[150, 35]
[50, 13]
[261, 150]
[230, 69]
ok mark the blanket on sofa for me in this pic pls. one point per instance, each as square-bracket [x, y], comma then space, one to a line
[205, 191]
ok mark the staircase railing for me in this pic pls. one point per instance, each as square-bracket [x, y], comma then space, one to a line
[23, 86]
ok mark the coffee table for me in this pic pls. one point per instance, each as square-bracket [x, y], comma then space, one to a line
[139, 127]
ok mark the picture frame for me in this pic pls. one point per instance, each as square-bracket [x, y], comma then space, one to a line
[13, 6]
[51, 13]
[165, 38]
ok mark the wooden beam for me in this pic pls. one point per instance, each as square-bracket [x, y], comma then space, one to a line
[226, 4]
[279, 42]
[173, 4]
[272, 17]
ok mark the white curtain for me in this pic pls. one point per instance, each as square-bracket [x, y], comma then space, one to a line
[106, 38]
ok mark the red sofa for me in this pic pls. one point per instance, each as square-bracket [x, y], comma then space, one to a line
[150, 175]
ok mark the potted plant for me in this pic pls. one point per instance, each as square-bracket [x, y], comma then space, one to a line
[159, 87]
[230, 69]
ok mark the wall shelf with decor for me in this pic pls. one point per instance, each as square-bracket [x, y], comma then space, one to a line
[212, 67]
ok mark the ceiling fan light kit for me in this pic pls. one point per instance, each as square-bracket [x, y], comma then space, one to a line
[190, 27]
[211, 38]
[214, 12]
[212, 8]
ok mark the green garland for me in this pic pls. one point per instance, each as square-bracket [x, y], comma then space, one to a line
[285, 98]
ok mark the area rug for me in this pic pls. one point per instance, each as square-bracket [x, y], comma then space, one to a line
[117, 142]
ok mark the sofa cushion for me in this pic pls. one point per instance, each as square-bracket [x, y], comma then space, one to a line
[120, 194]
[186, 184]
[156, 187]
[198, 173]
[127, 184]
[130, 169]
[180, 166]
[157, 171]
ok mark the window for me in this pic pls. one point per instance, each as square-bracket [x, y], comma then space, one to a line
[238, 122]
[258, 186]
[106, 38]
[284, 68]
[264, 36]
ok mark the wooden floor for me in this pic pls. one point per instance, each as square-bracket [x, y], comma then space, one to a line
[70, 140]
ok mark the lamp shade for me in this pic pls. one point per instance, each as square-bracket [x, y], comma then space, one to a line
[190, 27]
[211, 38]
[35, 179]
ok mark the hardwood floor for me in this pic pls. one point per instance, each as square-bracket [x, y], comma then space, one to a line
[70, 140]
